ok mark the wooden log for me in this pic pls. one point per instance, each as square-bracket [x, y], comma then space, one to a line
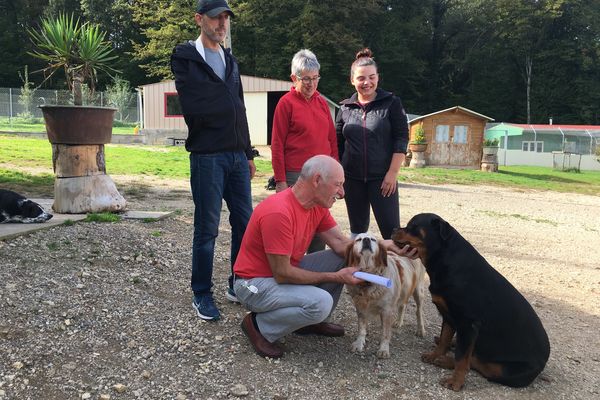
[78, 160]
[417, 160]
[87, 194]
[489, 167]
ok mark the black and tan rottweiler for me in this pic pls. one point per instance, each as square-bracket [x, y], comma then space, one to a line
[497, 331]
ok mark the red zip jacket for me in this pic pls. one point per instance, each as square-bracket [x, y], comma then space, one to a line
[301, 129]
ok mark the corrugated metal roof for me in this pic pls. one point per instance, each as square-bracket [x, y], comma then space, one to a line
[551, 128]
[250, 84]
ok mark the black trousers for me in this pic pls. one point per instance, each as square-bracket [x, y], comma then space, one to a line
[361, 196]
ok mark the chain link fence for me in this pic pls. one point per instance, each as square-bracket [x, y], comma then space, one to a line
[17, 103]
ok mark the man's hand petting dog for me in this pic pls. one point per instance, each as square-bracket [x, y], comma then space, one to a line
[404, 251]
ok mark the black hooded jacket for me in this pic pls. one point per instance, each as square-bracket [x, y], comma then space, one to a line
[213, 109]
[369, 135]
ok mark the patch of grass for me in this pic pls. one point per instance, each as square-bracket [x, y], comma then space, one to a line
[52, 246]
[69, 222]
[149, 220]
[37, 125]
[27, 183]
[102, 217]
[26, 163]
[156, 233]
[524, 177]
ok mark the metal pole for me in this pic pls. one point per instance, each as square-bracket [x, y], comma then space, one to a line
[505, 145]
[10, 111]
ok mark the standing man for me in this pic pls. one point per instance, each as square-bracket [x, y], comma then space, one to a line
[285, 290]
[221, 161]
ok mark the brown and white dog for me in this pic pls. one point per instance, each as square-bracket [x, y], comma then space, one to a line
[373, 300]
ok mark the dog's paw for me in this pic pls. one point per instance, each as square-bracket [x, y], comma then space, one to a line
[358, 345]
[420, 331]
[383, 352]
[453, 383]
[429, 357]
[444, 361]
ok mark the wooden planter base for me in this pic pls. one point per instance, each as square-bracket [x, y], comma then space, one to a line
[489, 162]
[87, 194]
[417, 160]
[82, 185]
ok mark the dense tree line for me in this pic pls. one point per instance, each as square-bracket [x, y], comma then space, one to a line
[513, 60]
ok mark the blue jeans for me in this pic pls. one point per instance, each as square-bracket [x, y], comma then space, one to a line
[214, 178]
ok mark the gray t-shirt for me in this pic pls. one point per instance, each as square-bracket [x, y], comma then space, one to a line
[213, 58]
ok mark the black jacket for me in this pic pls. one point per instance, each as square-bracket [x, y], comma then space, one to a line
[369, 136]
[213, 109]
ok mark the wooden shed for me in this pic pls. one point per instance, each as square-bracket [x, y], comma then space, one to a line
[162, 112]
[454, 136]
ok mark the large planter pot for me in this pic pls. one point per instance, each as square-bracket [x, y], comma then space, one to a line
[490, 150]
[417, 147]
[78, 124]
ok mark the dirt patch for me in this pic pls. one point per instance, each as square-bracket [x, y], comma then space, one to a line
[86, 307]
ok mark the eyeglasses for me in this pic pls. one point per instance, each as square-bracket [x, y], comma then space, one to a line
[306, 80]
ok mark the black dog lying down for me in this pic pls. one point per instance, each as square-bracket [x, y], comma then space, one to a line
[497, 331]
[16, 208]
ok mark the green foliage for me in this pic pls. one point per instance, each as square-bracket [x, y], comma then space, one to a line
[26, 96]
[80, 50]
[163, 24]
[419, 136]
[119, 95]
[491, 142]
[102, 217]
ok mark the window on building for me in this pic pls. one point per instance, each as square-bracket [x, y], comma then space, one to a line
[460, 134]
[442, 133]
[537, 146]
[172, 106]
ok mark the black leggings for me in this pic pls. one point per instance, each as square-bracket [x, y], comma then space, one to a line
[360, 195]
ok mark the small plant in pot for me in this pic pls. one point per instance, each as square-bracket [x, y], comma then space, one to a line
[419, 143]
[490, 147]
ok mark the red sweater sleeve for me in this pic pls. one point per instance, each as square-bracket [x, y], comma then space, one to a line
[279, 134]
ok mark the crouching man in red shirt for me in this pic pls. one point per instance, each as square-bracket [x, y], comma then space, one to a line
[286, 290]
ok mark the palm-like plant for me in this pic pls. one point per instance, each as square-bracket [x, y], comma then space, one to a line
[80, 50]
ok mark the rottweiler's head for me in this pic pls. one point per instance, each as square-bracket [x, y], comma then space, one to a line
[425, 232]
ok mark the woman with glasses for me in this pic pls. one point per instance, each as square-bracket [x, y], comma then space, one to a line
[372, 134]
[302, 126]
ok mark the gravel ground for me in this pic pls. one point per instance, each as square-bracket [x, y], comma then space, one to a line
[103, 311]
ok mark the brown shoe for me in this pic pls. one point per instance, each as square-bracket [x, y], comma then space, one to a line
[323, 329]
[261, 345]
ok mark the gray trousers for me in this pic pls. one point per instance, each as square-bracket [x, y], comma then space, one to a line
[283, 308]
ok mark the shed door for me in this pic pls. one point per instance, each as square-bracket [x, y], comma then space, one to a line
[450, 145]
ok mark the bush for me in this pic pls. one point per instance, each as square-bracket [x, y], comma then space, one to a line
[491, 142]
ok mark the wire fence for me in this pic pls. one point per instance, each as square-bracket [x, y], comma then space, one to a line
[14, 103]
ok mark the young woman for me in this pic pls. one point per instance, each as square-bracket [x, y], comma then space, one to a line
[372, 134]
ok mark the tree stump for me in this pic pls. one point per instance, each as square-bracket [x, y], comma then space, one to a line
[82, 185]
[489, 162]
[417, 160]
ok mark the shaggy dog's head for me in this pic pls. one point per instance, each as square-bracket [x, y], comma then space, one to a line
[366, 254]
